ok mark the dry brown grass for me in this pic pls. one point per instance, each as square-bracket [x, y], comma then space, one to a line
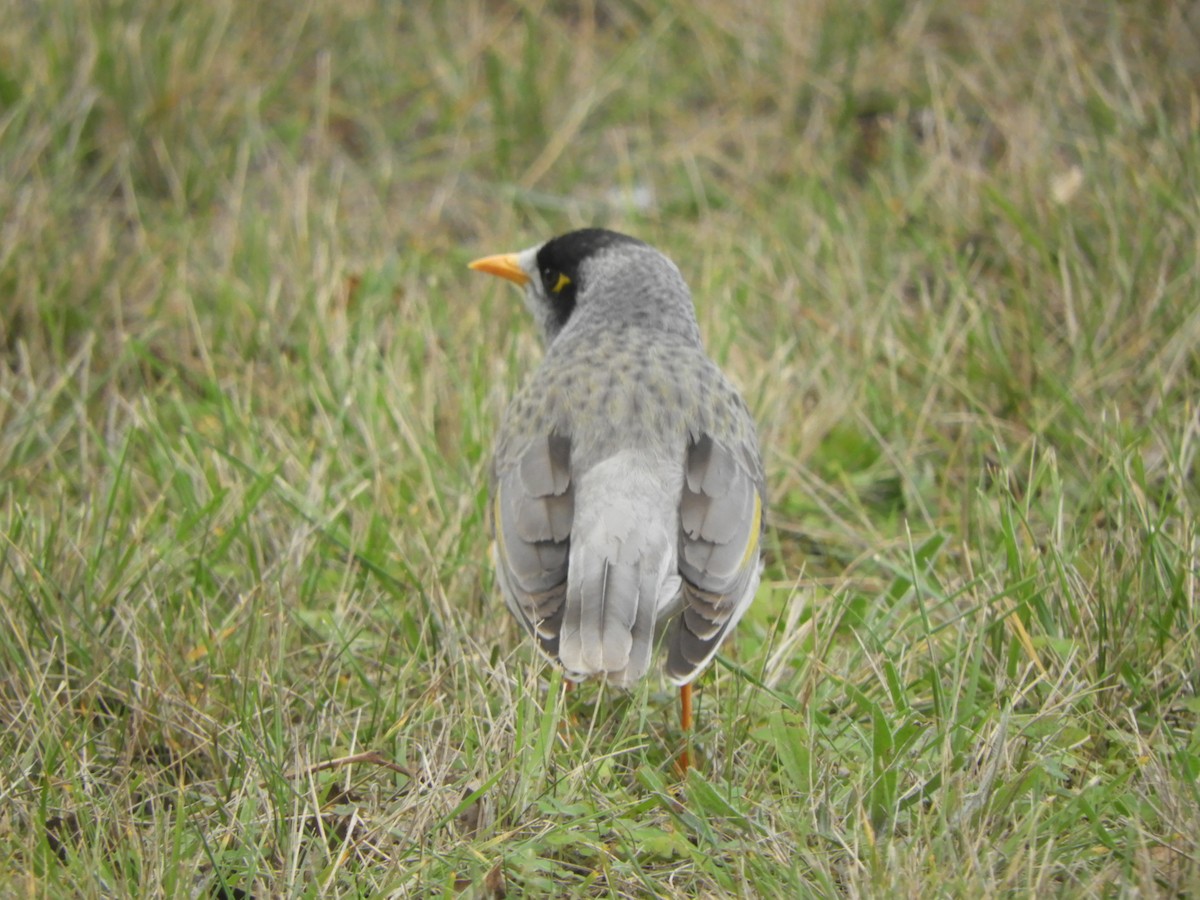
[248, 388]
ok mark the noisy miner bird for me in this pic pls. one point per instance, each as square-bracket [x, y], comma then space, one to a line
[627, 490]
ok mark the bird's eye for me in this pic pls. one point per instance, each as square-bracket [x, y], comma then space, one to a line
[555, 281]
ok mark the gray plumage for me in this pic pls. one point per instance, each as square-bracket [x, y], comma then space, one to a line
[627, 488]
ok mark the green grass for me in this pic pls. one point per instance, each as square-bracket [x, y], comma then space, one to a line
[248, 387]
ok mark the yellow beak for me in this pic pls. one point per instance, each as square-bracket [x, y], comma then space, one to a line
[503, 264]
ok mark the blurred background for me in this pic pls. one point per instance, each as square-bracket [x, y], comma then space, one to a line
[248, 387]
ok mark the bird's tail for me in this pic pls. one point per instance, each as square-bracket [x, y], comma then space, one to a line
[623, 571]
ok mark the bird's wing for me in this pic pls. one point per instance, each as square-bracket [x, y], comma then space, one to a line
[533, 506]
[720, 524]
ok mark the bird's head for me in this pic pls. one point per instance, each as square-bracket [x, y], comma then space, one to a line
[567, 273]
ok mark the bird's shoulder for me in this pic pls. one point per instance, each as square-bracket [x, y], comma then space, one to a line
[627, 388]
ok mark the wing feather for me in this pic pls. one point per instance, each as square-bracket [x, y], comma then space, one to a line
[720, 523]
[532, 511]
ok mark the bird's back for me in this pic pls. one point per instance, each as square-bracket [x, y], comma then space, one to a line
[627, 403]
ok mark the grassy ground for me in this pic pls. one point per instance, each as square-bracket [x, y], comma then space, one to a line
[247, 388]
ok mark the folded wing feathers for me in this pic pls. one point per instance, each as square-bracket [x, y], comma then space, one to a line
[545, 466]
[534, 508]
[718, 556]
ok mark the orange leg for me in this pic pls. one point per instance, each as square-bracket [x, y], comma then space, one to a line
[685, 722]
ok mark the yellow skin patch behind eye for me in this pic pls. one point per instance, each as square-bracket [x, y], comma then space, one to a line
[563, 281]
